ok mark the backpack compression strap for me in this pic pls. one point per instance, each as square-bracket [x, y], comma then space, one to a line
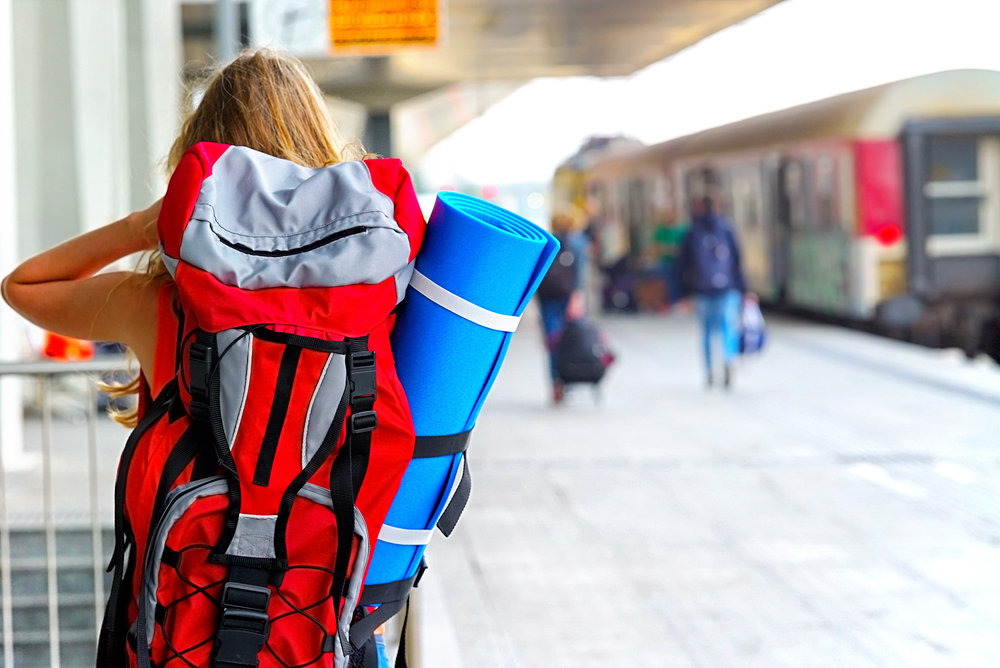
[349, 468]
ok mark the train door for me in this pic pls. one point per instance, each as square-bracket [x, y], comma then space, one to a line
[953, 197]
[953, 211]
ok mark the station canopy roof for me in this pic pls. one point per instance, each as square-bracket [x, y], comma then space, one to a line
[522, 39]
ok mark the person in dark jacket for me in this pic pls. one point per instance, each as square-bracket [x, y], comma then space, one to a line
[710, 273]
[561, 295]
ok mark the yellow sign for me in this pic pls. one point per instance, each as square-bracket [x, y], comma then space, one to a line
[373, 25]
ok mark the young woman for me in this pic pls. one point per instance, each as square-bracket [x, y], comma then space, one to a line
[264, 100]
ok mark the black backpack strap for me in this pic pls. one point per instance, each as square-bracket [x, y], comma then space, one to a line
[111, 643]
[349, 468]
[363, 421]
[201, 364]
[401, 652]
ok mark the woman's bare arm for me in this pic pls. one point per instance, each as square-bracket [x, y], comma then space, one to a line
[57, 289]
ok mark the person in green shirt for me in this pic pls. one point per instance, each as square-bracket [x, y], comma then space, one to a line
[666, 245]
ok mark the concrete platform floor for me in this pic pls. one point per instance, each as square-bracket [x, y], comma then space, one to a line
[839, 508]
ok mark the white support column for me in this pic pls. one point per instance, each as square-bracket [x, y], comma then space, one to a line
[153, 54]
[11, 408]
[100, 113]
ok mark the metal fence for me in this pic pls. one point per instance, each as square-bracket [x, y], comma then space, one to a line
[21, 565]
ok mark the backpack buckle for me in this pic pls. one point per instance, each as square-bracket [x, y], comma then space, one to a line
[245, 596]
[363, 422]
[200, 370]
[243, 627]
[361, 373]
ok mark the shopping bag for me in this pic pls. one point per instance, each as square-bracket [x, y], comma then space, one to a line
[753, 332]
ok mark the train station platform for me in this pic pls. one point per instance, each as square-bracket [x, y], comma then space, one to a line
[840, 507]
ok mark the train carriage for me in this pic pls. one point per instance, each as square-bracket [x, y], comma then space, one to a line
[880, 206]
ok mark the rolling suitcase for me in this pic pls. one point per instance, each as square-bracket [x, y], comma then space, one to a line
[582, 355]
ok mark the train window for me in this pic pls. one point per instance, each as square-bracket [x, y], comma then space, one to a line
[962, 192]
[954, 215]
[952, 159]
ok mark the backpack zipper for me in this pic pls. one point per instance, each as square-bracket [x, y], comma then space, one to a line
[319, 243]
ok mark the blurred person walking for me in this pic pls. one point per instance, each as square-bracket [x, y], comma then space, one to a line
[710, 272]
[666, 243]
[561, 294]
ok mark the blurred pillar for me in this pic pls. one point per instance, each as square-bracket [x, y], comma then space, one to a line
[96, 64]
[227, 28]
[153, 73]
[96, 99]
[47, 190]
[378, 133]
[11, 409]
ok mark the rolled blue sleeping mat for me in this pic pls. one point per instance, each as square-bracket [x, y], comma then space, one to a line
[475, 274]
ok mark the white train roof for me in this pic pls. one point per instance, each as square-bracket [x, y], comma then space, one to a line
[873, 113]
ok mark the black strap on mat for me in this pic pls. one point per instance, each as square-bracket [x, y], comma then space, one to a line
[449, 518]
[374, 594]
[441, 446]
[392, 596]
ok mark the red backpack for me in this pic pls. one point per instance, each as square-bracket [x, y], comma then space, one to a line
[250, 495]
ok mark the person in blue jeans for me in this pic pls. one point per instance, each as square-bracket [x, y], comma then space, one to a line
[711, 274]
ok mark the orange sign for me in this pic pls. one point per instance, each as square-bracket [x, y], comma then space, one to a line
[373, 25]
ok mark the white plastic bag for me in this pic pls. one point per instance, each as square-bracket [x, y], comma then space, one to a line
[753, 332]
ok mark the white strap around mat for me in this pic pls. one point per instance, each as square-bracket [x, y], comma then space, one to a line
[398, 536]
[461, 307]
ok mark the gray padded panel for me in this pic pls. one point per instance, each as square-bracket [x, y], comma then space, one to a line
[267, 204]
[254, 537]
[323, 405]
[169, 262]
[340, 657]
[403, 277]
[319, 495]
[176, 504]
[234, 377]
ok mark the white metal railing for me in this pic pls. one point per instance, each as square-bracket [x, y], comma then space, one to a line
[44, 372]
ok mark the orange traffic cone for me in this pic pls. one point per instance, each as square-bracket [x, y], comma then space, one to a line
[67, 349]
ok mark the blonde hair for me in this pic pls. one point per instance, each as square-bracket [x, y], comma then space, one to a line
[262, 99]
[265, 100]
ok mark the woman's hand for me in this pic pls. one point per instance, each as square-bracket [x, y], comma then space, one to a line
[143, 225]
